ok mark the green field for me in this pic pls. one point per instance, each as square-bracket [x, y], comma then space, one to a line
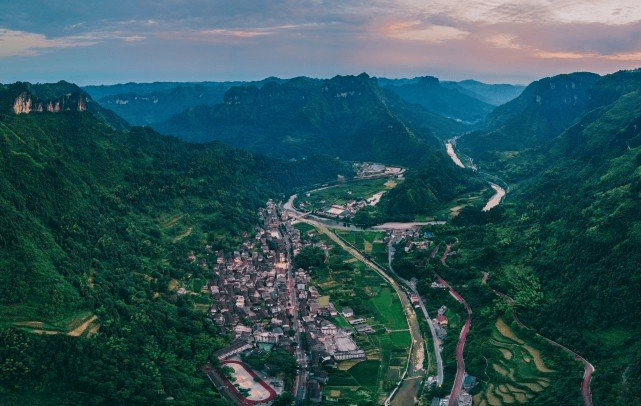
[369, 243]
[390, 309]
[366, 372]
[351, 283]
[401, 339]
[341, 194]
[304, 228]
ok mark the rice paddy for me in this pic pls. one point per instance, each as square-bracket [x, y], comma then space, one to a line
[517, 370]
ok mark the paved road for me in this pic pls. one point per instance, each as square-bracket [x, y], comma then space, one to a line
[588, 369]
[415, 364]
[460, 362]
[435, 340]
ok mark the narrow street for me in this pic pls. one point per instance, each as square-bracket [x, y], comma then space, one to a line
[300, 388]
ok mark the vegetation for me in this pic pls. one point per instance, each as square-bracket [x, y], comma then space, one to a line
[276, 362]
[346, 116]
[351, 283]
[309, 258]
[101, 222]
[445, 100]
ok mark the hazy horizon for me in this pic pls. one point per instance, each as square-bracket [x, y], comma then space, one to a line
[493, 41]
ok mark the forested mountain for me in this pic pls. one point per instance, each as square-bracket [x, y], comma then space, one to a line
[99, 91]
[24, 98]
[447, 101]
[152, 103]
[346, 116]
[98, 221]
[544, 109]
[494, 94]
[570, 235]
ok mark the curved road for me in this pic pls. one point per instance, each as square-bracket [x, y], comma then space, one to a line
[414, 363]
[435, 340]
[460, 362]
[588, 369]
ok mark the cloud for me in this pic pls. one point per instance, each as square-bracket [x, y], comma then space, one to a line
[416, 31]
[564, 55]
[504, 41]
[626, 57]
[20, 43]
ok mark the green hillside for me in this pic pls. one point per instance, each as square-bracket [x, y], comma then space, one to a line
[99, 222]
[346, 116]
[447, 101]
[565, 244]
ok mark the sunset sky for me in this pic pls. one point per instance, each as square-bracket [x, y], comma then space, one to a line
[110, 41]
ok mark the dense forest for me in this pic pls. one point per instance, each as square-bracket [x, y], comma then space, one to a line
[347, 116]
[98, 218]
[565, 243]
[85, 209]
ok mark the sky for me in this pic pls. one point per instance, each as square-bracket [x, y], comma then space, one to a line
[495, 41]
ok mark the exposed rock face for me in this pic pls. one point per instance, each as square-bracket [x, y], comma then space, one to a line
[22, 104]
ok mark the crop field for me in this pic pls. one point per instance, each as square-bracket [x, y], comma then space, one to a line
[352, 190]
[516, 369]
[401, 339]
[353, 284]
[370, 243]
[389, 307]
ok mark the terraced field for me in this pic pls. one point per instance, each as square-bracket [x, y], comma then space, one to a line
[516, 370]
[82, 324]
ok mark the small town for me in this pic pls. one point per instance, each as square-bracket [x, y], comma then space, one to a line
[259, 298]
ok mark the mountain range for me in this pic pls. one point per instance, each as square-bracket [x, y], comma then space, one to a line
[98, 216]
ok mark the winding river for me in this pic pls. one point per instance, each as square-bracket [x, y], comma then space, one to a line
[496, 199]
[499, 191]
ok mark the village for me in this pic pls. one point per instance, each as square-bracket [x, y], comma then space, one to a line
[265, 304]
[257, 297]
[351, 201]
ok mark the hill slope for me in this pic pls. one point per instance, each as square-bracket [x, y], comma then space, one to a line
[153, 103]
[349, 117]
[98, 221]
[447, 101]
[495, 95]
[570, 237]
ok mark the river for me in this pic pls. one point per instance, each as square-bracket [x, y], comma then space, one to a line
[500, 192]
[449, 145]
[496, 199]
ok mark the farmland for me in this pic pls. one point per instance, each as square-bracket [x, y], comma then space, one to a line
[351, 283]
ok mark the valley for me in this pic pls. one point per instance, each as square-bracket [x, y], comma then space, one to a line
[403, 249]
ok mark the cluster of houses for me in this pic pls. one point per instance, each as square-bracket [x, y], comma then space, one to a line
[374, 170]
[256, 298]
[411, 238]
[251, 288]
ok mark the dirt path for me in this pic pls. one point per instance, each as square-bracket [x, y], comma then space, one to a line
[81, 328]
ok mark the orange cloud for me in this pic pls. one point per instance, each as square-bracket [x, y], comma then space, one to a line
[20, 43]
[415, 31]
